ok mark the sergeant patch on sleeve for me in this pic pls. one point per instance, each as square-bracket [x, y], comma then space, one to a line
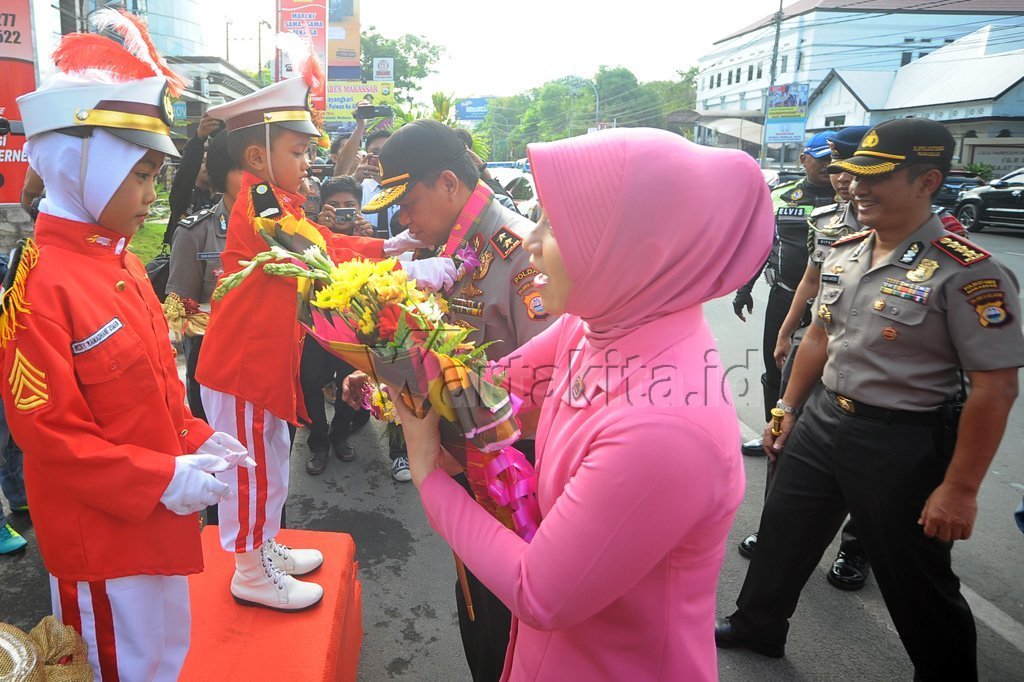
[505, 242]
[264, 202]
[188, 222]
[28, 384]
[960, 250]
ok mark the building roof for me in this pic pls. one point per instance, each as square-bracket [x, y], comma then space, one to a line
[887, 6]
[970, 69]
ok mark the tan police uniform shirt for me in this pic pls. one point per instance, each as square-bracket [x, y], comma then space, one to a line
[827, 225]
[498, 298]
[195, 254]
[898, 330]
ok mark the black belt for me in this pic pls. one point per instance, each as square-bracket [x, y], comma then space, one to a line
[850, 406]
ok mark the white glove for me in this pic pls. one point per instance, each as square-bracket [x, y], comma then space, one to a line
[193, 487]
[432, 274]
[228, 448]
[401, 243]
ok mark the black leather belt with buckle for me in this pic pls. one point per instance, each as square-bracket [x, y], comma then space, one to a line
[851, 406]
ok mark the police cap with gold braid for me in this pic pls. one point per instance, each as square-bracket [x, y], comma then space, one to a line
[894, 144]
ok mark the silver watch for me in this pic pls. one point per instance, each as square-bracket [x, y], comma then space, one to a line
[788, 409]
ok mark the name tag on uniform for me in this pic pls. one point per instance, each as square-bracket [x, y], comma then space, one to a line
[208, 255]
[826, 241]
[829, 279]
[791, 211]
[104, 333]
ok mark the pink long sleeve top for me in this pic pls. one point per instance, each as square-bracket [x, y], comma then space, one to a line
[639, 479]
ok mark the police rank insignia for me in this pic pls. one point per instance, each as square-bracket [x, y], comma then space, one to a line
[797, 195]
[960, 250]
[535, 306]
[991, 309]
[924, 271]
[824, 314]
[911, 254]
[486, 258]
[505, 241]
[28, 384]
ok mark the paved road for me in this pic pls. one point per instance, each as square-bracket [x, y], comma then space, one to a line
[409, 616]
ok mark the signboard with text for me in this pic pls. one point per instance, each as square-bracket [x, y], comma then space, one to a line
[19, 78]
[786, 115]
[384, 69]
[343, 40]
[1003, 159]
[306, 19]
[472, 109]
[342, 97]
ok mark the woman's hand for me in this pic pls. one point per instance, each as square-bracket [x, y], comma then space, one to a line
[422, 439]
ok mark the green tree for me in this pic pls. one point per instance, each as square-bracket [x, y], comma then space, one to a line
[414, 56]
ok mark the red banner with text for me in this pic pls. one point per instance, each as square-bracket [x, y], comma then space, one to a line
[19, 78]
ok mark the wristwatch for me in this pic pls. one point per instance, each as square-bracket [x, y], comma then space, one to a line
[788, 409]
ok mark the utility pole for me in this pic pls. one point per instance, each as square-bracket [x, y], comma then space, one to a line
[259, 49]
[227, 40]
[771, 83]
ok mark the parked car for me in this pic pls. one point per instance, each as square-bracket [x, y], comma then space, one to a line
[997, 204]
[520, 185]
[956, 182]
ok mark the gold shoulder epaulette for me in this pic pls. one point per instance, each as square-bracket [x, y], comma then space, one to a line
[850, 238]
[12, 299]
[959, 249]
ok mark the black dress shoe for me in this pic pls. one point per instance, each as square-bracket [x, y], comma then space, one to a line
[849, 571]
[728, 638]
[342, 449]
[753, 448]
[748, 545]
[318, 452]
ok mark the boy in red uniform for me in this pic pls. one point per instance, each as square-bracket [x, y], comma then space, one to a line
[249, 365]
[92, 392]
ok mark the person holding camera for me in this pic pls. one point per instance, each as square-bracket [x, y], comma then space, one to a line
[340, 214]
[366, 171]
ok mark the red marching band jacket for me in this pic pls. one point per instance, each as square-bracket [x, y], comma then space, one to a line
[252, 346]
[93, 398]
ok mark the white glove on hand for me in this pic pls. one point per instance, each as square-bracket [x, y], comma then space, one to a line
[432, 274]
[193, 487]
[401, 243]
[228, 448]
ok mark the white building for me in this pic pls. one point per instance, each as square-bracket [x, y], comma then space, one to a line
[974, 86]
[818, 36]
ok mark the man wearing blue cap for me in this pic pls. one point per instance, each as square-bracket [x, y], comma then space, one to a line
[794, 203]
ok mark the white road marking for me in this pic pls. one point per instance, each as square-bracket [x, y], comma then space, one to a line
[995, 618]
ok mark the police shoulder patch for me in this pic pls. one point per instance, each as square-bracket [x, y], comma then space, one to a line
[505, 242]
[851, 238]
[190, 221]
[264, 203]
[824, 210]
[959, 249]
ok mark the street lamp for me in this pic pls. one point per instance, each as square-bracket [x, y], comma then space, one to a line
[227, 39]
[575, 80]
[259, 48]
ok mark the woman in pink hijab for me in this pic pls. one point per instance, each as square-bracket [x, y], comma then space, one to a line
[638, 472]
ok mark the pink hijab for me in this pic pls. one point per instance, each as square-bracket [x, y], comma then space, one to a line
[650, 224]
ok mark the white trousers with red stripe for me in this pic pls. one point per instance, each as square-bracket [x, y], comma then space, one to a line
[253, 515]
[136, 628]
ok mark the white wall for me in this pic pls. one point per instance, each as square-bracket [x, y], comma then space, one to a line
[835, 100]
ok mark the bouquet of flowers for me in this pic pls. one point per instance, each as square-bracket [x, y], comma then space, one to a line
[371, 315]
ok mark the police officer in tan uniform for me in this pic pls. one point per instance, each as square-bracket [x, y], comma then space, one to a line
[903, 309]
[427, 170]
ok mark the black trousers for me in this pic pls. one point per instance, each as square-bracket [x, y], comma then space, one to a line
[883, 473]
[195, 402]
[775, 312]
[485, 639]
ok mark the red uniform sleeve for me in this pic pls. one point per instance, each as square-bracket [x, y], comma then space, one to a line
[51, 421]
[344, 247]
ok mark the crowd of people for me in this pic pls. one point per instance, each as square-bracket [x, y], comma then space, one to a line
[891, 346]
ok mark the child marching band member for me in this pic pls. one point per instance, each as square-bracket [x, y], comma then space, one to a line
[92, 392]
[249, 366]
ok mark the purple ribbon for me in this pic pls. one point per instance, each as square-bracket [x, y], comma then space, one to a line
[512, 482]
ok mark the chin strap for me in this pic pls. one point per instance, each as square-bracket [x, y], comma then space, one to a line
[270, 163]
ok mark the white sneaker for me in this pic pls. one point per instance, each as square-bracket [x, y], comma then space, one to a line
[258, 582]
[400, 469]
[294, 561]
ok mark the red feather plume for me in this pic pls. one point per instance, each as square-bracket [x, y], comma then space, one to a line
[80, 52]
[313, 73]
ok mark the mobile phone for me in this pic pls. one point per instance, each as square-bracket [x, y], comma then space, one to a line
[321, 171]
[344, 215]
[372, 112]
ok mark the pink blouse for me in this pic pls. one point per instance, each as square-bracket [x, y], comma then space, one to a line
[639, 478]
